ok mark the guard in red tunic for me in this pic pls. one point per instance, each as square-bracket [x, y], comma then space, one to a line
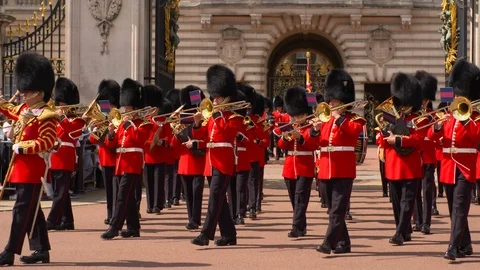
[439, 156]
[337, 166]
[129, 139]
[64, 158]
[34, 136]
[173, 191]
[299, 166]
[403, 158]
[219, 132]
[108, 90]
[154, 149]
[278, 119]
[460, 141]
[381, 161]
[423, 211]
[192, 162]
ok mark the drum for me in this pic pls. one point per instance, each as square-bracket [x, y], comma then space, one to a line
[361, 146]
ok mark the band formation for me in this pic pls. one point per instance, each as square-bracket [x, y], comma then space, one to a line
[148, 135]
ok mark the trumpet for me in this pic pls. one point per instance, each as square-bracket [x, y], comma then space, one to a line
[461, 109]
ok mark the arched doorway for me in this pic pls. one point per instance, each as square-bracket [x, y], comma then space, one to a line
[287, 63]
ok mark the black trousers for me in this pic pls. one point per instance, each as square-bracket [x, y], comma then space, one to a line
[218, 209]
[326, 193]
[177, 181]
[126, 205]
[116, 188]
[382, 175]
[299, 194]
[237, 194]
[169, 182]
[440, 185]
[253, 185]
[423, 210]
[458, 197]
[138, 193]
[194, 185]
[260, 187]
[154, 179]
[23, 213]
[339, 191]
[109, 181]
[403, 194]
[61, 210]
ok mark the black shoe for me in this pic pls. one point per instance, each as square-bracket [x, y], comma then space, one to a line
[407, 238]
[435, 212]
[65, 227]
[426, 229]
[156, 210]
[130, 233]
[397, 239]
[239, 220]
[50, 226]
[460, 253]
[323, 205]
[149, 211]
[451, 253]
[168, 204]
[416, 228]
[385, 194]
[259, 209]
[201, 240]
[303, 232]
[324, 248]
[342, 248]
[35, 257]
[473, 199]
[182, 197]
[6, 258]
[252, 213]
[191, 226]
[348, 216]
[139, 215]
[294, 233]
[107, 221]
[440, 195]
[176, 202]
[109, 234]
[226, 241]
[467, 250]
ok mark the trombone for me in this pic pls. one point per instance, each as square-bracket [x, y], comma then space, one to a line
[324, 111]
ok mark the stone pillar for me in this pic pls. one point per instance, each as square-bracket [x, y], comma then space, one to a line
[89, 59]
[4, 21]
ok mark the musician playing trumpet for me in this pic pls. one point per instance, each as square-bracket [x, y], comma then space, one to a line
[64, 159]
[458, 166]
[336, 139]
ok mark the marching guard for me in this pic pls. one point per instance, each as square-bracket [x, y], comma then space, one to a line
[63, 159]
[461, 136]
[219, 131]
[337, 165]
[34, 136]
[129, 138]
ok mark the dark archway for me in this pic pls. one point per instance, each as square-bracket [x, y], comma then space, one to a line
[299, 42]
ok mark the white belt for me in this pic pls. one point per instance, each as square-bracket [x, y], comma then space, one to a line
[337, 149]
[219, 145]
[129, 150]
[69, 144]
[241, 149]
[300, 153]
[454, 150]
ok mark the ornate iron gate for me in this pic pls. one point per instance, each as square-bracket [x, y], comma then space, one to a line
[45, 39]
[279, 84]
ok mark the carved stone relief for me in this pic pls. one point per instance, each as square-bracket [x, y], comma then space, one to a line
[104, 11]
[231, 47]
[380, 47]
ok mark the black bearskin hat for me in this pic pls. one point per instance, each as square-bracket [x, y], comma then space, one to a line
[153, 96]
[278, 102]
[109, 90]
[174, 97]
[34, 72]
[428, 84]
[221, 82]
[406, 91]
[296, 101]
[185, 96]
[339, 85]
[319, 98]
[241, 97]
[132, 94]
[258, 107]
[442, 105]
[167, 107]
[465, 79]
[248, 91]
[65, 91]
[268, 103]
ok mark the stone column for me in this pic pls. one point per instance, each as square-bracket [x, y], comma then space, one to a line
[86, 65]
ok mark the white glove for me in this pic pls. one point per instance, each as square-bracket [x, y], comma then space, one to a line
[15, 148]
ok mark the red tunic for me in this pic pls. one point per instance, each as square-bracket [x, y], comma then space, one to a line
[106, 155]
[402, 167]
[34, 136]
[300, 160]
[161, 153]
[277, 116]
[243, 149]
[68, 131]
[457, 138]
[189, 163]
[260, 141]
[129, 141]
[220, 133]
[428, 150]
[337, 147]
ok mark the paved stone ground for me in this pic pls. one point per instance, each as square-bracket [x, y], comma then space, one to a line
[262, 243]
